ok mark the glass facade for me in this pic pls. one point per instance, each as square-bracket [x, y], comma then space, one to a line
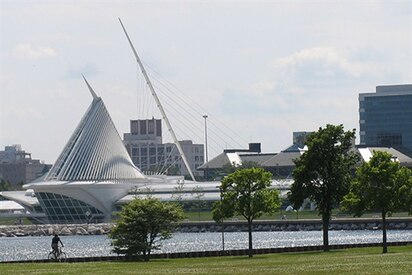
[385, 117]
[63, 209]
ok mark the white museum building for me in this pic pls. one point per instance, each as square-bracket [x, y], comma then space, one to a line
[93, 173]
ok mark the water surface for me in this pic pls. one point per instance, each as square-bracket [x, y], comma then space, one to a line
[27, 248]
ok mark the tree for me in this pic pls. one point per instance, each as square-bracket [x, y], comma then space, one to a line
[405, 191]
[323, 172]
[146, 190]
[5, 185]
[246, 193]
[232, 167]
[380, 184]
[173, 170]
[198, 194]
[143, 223]
[179, 190]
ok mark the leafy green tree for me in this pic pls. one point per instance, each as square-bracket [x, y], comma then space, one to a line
[323, 172]
[405, 191]
[173, 170]
[143, 223]
[5, 185]
[232, 167]
[198, 194]
[246, 193]
[381, 184]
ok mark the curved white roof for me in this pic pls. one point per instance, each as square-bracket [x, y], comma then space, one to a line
[95, 151]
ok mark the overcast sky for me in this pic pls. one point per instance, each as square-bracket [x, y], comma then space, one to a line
[265, 68]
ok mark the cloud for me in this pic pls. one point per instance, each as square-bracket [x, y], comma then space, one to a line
[324, 62]
[320, 74]
[26, 51]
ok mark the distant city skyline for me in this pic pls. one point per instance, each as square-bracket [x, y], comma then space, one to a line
[266, 69]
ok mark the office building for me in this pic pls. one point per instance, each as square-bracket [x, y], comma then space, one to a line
[385, 117]
[148, 152]
[17, 166]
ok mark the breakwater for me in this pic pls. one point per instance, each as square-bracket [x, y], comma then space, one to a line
[195, 227]
[51, 229]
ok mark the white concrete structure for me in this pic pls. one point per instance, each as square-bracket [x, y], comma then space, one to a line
[93, 171]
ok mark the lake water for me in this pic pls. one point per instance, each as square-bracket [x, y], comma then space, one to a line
[28, 248]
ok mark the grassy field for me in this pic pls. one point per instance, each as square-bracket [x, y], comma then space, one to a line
[351, 261]
[306, 214]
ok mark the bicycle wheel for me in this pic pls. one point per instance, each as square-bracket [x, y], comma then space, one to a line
[62, 257]
[52, 256]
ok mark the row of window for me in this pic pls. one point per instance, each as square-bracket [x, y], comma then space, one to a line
[142, 161]
[63, 209]
[382, 140]
[160, 149]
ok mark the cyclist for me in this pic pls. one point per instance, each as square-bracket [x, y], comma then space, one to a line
[55, 245]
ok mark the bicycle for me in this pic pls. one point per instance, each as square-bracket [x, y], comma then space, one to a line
[60, 256]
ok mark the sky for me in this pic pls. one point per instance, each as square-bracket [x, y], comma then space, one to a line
[260, 69]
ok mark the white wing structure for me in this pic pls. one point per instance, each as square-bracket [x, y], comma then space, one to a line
[95, 151]
[93, 171]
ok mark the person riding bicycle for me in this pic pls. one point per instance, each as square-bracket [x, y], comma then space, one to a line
[55, 244]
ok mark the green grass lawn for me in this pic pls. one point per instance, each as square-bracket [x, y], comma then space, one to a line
[207, 216]
[350, 261]
[301, 215]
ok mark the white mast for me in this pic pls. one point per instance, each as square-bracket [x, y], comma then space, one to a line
[159, 105]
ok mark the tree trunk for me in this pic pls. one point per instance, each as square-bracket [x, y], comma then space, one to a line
[325, 227]
[250, 239]
[384, 244]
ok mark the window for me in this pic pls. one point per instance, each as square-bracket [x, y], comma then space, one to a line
[143, 127]
[133, 127]
[158, 128]
[144, 160]
[151, 127]
[60, 209]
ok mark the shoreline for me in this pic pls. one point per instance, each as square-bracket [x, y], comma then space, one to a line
[210, 226]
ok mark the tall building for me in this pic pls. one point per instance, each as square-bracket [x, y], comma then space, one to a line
[149, 153]
[385, 117]
[17, 166]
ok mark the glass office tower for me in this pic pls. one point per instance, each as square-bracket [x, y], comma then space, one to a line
[385, 117]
